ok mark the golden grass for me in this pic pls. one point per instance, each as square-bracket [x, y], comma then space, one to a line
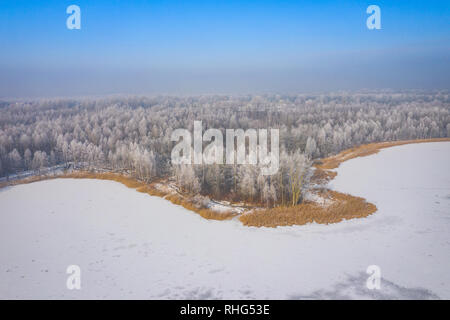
[323, 176]
[205, 213]
[343, 207]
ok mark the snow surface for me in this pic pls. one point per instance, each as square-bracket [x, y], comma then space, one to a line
[131, 245]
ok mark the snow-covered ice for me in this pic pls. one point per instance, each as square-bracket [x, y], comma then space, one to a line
[131, 245]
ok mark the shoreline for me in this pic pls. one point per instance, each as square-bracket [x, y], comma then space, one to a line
[364, 150]
[340, 206]
[150, 189]
[343, 207]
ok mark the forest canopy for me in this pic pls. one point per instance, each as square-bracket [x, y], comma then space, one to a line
[132, 134]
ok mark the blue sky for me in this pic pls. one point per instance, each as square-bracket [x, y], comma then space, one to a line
[193, 47]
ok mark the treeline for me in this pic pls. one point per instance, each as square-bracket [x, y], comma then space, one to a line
[132, 134]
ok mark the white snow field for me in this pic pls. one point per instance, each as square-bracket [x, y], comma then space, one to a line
[131, 245]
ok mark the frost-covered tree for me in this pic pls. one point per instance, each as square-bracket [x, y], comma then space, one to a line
[40, 160]
[187, 179]
[27, 158]
[311, 147]
[131, 135]
[298, 173]
[15, 160]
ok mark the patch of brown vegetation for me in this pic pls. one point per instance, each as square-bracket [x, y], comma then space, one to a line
[323, 176]
[205, 213]
[343, 207]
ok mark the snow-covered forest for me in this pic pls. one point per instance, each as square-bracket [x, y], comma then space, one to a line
[132, 134]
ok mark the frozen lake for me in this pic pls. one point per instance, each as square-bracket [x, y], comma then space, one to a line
[131, 245]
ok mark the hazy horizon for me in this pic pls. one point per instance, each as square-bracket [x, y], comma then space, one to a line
[225, 47]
